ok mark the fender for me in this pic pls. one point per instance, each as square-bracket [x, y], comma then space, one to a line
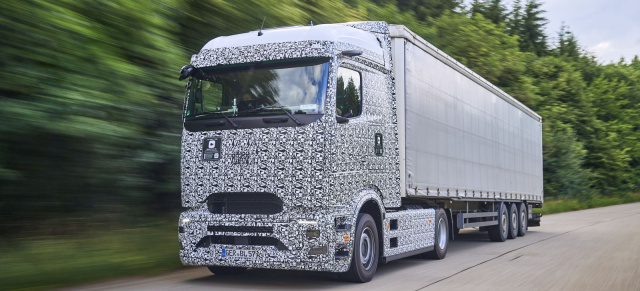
[361, 197]
[358, 200]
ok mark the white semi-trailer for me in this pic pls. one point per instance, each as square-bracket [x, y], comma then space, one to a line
[336, 147]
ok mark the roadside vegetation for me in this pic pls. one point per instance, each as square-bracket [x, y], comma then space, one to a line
[558, 205]
[90, 115]
[46, 262]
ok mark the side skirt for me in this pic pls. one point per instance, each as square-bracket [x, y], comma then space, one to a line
[385, 260]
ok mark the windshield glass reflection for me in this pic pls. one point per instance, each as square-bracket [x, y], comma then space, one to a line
[298, 86]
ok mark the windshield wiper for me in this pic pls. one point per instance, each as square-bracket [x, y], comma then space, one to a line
[260, 109]
[235, 125]
[298, 122]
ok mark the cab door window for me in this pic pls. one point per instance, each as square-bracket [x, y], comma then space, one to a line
[348, 93]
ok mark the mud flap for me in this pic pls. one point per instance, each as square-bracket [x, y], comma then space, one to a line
[534, 220]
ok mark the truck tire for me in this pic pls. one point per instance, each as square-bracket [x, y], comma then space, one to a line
[364, 260]
[441, 237]
[220, 270]
[499, 232]
[523, 219]
[513, 221]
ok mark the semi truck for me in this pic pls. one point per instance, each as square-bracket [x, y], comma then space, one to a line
[337, 147]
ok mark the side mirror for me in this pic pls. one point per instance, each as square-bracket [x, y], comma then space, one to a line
[186, 72]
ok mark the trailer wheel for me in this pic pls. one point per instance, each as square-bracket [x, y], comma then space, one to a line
[220, 270]
[364, 261]
[513, 221]
[441, 238]
[499, 232]
[523, 219]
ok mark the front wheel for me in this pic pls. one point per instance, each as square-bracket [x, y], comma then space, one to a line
[364, 260]
[441, 238]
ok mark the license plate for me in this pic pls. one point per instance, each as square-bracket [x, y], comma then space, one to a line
[239, 254]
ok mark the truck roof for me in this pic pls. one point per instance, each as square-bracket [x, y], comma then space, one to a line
[322, 32]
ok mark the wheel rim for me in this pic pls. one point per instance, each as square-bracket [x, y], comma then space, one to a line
[514, 221]
[504, 222]
[523, 220]
[367, 248]
[442, 234]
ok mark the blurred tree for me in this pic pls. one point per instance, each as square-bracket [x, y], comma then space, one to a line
[563, 157]
[514, 19]
[85, 96]
[492, 10]
[209, 19]
[559, 84]
[425, 9]
[532, 36]
[206, 20]
[477, 7]
[567, 44]
[613, 135]
[390, 13]
[496, 11]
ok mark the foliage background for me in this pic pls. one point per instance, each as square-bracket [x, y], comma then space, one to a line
[90, 105]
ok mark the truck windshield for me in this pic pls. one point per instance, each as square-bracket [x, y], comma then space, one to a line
[265, 88]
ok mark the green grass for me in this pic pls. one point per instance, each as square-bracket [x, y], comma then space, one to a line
[557, 205]
[50, 262]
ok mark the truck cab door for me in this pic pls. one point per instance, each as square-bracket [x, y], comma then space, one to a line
[364, 150]
[350, 140]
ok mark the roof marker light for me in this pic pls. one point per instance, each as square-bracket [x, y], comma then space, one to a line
[351, 53]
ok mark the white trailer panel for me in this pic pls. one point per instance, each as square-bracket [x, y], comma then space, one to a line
[462, 136]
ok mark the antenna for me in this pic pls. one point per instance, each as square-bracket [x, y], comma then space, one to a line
[261, 26]
[310, 23]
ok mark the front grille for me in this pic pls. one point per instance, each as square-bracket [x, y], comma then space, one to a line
[225, 228]
[244, 203]
[210, 240]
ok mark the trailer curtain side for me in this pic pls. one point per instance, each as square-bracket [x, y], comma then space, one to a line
[461, 136]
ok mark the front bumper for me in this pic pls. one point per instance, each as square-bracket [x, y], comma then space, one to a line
[304, 240]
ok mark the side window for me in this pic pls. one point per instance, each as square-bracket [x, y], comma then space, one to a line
[348, 93]
[204, 97]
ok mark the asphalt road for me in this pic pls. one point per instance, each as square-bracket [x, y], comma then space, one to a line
[597, 249]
